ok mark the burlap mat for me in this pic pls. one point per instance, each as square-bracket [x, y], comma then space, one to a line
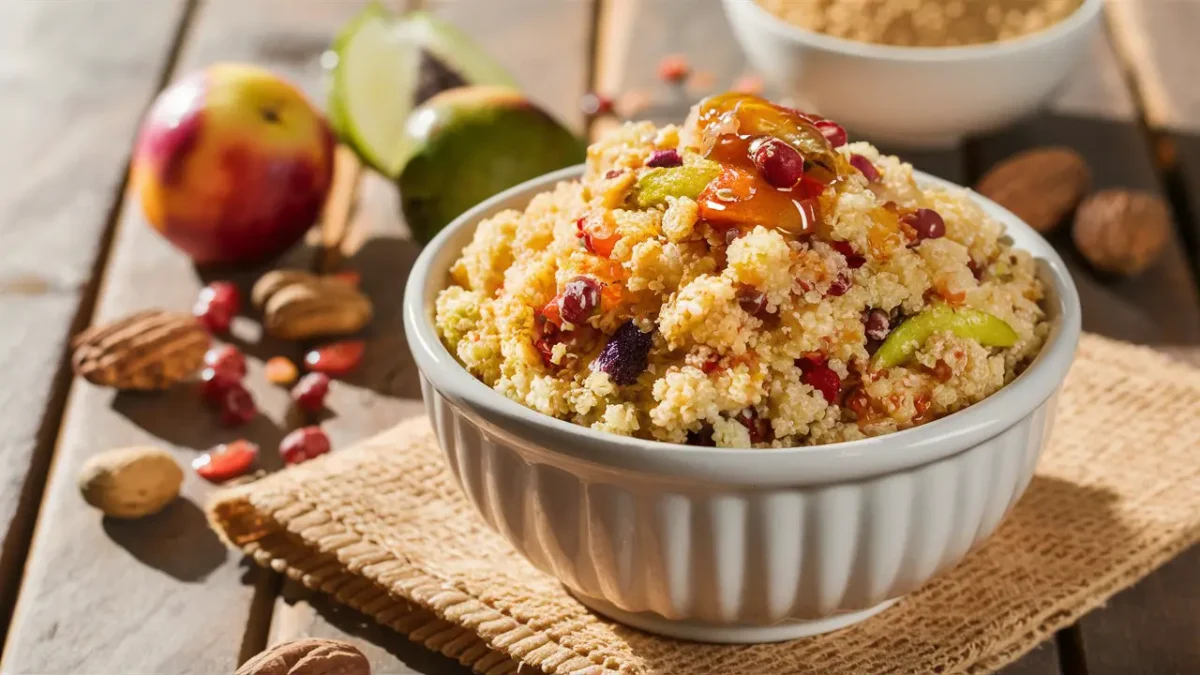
[382, 527]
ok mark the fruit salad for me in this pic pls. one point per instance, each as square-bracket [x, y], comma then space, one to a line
[747, 279]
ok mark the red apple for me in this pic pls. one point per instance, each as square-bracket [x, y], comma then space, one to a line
[233, 164]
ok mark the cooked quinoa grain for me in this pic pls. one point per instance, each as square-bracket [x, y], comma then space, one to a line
[725, 323]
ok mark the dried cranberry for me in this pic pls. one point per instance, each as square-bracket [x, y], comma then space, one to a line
[853, 259]
[840, 285]
[309, 393]
[816, 373]
[876, 324]
[752, 300]
[665, 159]
[865, 167]
[216, 306]
[780, 164]
[336, 359]
[626, 355]
[580, 299]
[702, 438]
[237, 406]
[593, 103]
[833, 132]
[977, 270]
[228, 359]
[759, 428]
[226, 461]
[303, 444]
[927, 223]
[214, 383]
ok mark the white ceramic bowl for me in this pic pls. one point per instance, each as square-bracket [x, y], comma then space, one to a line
[735, 545]
[914, 97]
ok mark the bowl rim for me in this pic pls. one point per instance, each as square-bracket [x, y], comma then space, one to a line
[1083, 15]
[946, 436]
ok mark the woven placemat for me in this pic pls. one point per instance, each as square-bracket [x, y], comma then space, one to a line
[383, 528]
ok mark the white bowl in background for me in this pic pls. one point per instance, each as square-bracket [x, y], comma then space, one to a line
[736, 545]
[913, 97]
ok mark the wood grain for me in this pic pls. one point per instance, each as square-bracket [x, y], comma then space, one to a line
[75, 80]
[160, 594]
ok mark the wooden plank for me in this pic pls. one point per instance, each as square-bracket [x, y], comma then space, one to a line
[162, 594]
[545, 44]
[60, 178]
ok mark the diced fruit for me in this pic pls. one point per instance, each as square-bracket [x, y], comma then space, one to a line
[816, 373]
[237, 406]
[228, 359]
[759, 428]
[654, 186]
[226, 461]
[853, 259]
[281, 371]
[927, 223]
[216, 306]
[781, 165]
[737, 197]
[599, 234]
[833, 132]
[309, 393]
[840, 285]
[751, 300]
[214, 384]
[470, 143]
[626, 355]
[876, 324]
[664, 159]
[304, 444]
[580, 299]
[970, 324]
[385, 66]
[865, 167]
[336, 359]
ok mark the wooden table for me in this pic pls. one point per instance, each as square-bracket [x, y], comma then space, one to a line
[81, 594]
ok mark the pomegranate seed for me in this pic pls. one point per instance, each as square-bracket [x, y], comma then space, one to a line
[833, 132]
[626, 355]
[336, 359]
[853, 260]
[580, 299]
[228, 359]
[780, 164]
[309, 393]
[303, 444]
[281, 371]
[348, 277]
[664, 158]
[674, 68]
[865, 167]
[237, 406]
[818, 375]
[226, 461]
[613, 173]
[876, 324]
[214, 384]
[216, 306]
[760, 429]
[751, 300]
[927, 223]
[840, 285]
[595, 104]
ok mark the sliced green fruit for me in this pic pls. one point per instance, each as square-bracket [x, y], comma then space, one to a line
[383, 66]
[970, 324]
[470, 143]
[654, 186]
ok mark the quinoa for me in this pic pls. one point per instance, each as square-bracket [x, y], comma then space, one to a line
[754, 337]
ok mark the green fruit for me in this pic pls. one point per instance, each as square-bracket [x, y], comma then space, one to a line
[382, 66]
[656, 185]
[470, 143]
[971, 324]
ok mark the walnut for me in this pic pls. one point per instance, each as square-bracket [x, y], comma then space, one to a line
[1040, 186]
[1122, 231]
[308, 656]
[147, 350]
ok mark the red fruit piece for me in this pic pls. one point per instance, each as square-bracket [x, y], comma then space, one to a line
[840, 285]
[309, 393]
[226, 461]
[216, 306]
[598, 237]
[853, 259]
[865, 167]
[751, 300]
[780, 164]
[833, 132]
[227, 359]
[237, 406]
[303, 444]
[759, 428]
[337, 358]
[664, 159]
[927, 223]
[214, 384]
[674, 68]
[580, 299]
[818, 375]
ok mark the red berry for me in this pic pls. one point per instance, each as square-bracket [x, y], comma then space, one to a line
[840, 285]
[337, 358]
[865, 167]
[780, 164]
[853, 260]
[876, 324]
[215, 383]
[818, 375]
[226, 461]
[664, 159]
[216, 306]
[237, 406]
[303, 444]
[751, 300]
[309, 393]
[580, 298]
[759, 428]
[833, 132]
[228, 359]
[927, 223]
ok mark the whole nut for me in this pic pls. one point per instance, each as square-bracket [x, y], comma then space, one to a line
[147, 350]
[298, 305]
[308, 656]
[1121, 231]
[130, 482]
[1040, 186]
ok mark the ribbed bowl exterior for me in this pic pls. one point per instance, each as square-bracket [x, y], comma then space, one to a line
[700, 551]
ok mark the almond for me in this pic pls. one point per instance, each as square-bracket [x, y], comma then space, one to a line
[1122, 231]
[130, 482]
[149, 350]
[1041, 186]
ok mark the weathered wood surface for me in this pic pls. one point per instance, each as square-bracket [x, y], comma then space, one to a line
[75, 80]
